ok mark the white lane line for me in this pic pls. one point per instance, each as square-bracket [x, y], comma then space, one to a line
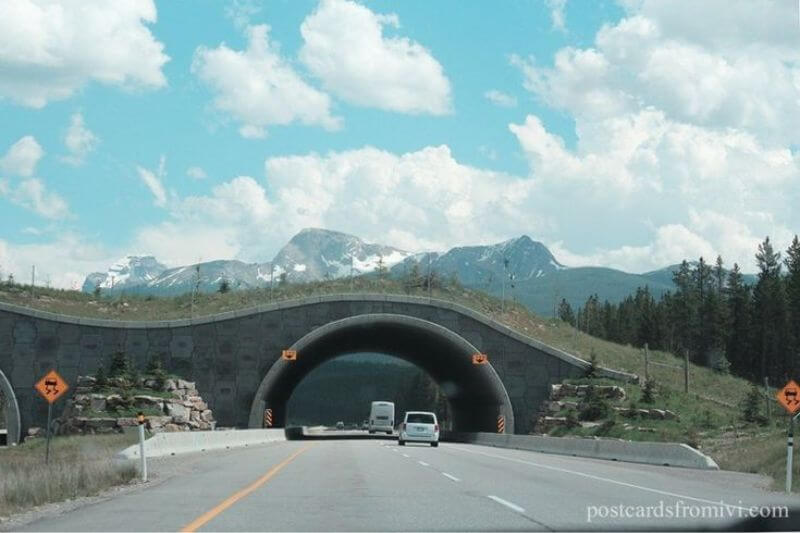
[607, 480]
[423, 463]
[454, 478]
[406, 456]
[512, 506]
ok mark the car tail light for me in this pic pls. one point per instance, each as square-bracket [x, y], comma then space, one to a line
[436, 427]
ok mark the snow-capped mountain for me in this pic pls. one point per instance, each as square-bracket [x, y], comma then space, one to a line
[521, 259]
[316, 254]
[130, 271]
[520, 268]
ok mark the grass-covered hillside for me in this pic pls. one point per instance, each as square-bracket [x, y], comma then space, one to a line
[711, 413]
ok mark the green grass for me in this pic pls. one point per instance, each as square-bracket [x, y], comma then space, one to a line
[79, 466]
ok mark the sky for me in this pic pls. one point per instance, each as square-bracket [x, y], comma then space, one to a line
[630, 134]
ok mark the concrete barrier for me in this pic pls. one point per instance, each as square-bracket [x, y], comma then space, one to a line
[162, 444]
[654, 453]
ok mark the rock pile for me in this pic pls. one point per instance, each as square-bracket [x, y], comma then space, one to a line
[93, 412]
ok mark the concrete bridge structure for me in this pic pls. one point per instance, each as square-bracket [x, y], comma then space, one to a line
[236, 357]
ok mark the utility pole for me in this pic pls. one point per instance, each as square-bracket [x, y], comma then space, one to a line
[686, 370]
[430, 278]
[271, 278]
[352, 273]
[503, 298]
[33, 279]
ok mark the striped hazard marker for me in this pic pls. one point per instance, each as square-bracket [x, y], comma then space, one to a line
[501, 424]
[268, 418]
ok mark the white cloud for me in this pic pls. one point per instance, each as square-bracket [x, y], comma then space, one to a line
[500, 98]
[32, 194]
[418, 200]
[259, 88]
[49, 50]
[65, 260]
[741, 72]
[683, 135]
[153, 182]
[79, 140]
[23, 156]
[557, 15]
[196, 173]
[345, 46]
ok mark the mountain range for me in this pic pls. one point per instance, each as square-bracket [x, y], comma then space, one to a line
[532, 275]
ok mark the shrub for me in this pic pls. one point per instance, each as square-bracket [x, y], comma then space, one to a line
[594, 407]
[751, 407]
[119, 365]
[649, 390]
[591, 371]
[101, 381]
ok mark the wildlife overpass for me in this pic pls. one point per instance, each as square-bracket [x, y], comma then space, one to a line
[236, 359]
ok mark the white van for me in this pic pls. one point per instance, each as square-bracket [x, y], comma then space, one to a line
[381, 417]
[419, 426]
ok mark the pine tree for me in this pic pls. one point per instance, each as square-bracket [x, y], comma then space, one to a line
[565, 312]
[738, 341]
[792, 262]
[770, 315]
[119, 365]
[100, 380]
[224, 286]
[649, 390]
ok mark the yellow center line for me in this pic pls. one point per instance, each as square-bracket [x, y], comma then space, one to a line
[235, 497]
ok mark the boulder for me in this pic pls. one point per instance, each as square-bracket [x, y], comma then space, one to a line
[207, 416]
[555, 391]
[142, 401]
[555, 406]
[658, 414]
[86, 381]
[186, 385]
[178, 412]
[127, 422]
[669, 415]
[157, 422]
[104, 422]
[97, 403]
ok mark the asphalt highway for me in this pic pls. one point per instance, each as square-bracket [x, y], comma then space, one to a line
[376, 485]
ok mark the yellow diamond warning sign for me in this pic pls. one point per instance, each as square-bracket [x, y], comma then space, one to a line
[789, 397]
[51, 386]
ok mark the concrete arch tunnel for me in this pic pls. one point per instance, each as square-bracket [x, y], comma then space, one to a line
[235, 357]
[476, 393]
[8, 404]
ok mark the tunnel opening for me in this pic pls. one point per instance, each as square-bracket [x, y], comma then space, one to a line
[9, 413]
[475, 393]
[342, 389]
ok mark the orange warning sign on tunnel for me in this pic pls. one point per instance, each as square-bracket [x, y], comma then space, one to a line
[52, 386]
[480, 359]
[289, 355]
[789, 397]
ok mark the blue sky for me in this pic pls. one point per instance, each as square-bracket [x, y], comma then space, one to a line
[621, 134]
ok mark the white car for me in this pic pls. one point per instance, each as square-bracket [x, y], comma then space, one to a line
[419, 426]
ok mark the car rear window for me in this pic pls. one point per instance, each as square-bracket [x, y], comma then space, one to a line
[382, 417]
[420, 419]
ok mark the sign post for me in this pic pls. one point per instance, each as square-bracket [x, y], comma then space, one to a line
[141, 420]
[789, 398]
[51, 387]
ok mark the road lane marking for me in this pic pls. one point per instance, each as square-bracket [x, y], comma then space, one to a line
[423, 463]
[600, 478]
[454, 478]
[512, 506]
[209, 515]
[406, 456]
